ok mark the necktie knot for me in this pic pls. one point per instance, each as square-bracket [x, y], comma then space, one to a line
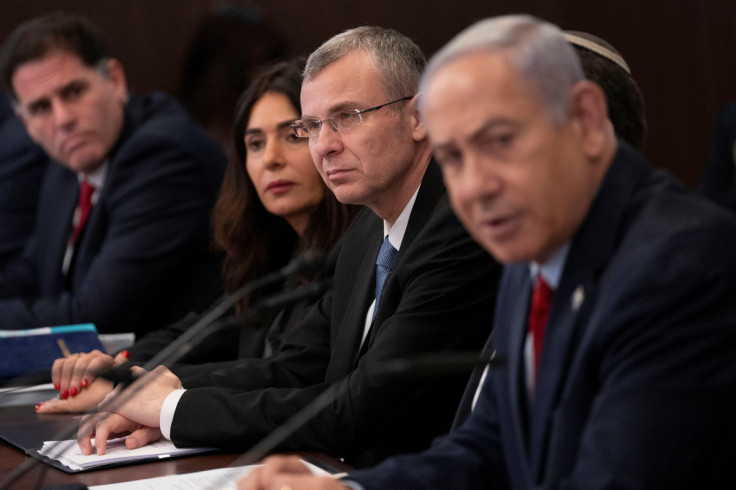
[384, 264]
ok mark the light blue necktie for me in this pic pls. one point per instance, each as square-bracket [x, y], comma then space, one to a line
[384, 264]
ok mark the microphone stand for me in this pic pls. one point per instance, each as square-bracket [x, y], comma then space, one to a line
[185, 342]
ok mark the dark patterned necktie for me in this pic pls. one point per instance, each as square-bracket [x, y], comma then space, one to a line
[384, 264]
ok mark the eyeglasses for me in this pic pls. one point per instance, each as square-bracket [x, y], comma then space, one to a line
[309, 127]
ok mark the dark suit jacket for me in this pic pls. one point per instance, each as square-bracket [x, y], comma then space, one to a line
[637, 374]
[143, 259]
[439, 297]
[22, 165]
[719, 177]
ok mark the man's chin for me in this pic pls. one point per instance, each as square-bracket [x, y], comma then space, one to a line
[86, 165]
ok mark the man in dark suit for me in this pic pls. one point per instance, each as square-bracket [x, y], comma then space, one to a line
[122, 234]
[619, 368]
[22, 164]
[369, 144]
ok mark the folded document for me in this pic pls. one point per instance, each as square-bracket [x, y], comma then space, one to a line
[68, 454]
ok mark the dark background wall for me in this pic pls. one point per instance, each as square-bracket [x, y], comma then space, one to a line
[681, 52]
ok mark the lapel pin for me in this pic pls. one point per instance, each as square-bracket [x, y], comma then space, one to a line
[578, 296]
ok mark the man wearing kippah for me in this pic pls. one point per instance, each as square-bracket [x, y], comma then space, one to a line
[616, 314]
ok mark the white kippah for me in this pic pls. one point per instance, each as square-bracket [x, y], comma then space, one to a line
[598, 49]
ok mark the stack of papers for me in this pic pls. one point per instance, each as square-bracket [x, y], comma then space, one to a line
[68, 453]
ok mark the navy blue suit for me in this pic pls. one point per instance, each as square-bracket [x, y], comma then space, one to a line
[637, 376]
[144, 257]
[22, 165]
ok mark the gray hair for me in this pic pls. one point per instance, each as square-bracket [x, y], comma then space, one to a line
[398, 60]
[537, 50]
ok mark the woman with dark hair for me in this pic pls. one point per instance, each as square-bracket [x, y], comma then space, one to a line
[273, 206]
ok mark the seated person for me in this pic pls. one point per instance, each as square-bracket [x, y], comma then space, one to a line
[272, 186]
[407, 280]
[605, 66]
[122, 232]
[619, 367]
[22, 165]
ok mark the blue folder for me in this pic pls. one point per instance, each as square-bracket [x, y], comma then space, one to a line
[29, 354]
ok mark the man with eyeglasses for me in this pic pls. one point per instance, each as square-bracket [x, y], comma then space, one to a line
[370, 146]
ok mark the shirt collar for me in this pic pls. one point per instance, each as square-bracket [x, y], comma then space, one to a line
[396, 232]
[552, 269]
[96, 178]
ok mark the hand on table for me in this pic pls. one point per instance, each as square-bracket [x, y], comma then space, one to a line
[141, 402]
[105, 425]
[86, 400]
[283, 472]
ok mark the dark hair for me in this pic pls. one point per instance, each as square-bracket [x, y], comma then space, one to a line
[624, 99]
[233, 41]
[254, 240]
[58, 31]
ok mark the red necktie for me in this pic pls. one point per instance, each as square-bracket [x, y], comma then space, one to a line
[538, 313]
[85, 205]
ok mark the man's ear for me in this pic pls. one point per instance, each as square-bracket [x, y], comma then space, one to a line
[116, 76]
[419, 132]
[590, 113]
[22, 116]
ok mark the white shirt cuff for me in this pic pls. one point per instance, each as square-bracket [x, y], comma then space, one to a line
[167, 412]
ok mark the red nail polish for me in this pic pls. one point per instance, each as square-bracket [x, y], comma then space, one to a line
[73, 391]
[57, 387]
[84, 383]
[126, 354]
[64, 395]
[40, 403]
[37, 407]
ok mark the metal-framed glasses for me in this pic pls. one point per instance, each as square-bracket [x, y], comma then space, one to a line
[309, 127]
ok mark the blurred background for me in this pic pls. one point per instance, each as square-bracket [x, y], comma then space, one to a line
[681, 52]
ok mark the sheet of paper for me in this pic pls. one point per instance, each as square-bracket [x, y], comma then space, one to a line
[221, 478]
[69, 454]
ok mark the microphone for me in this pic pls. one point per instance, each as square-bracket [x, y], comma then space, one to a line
[309, 263]
[420, 365]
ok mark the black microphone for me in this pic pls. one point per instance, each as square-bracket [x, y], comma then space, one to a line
[309, 263]
[433, 364]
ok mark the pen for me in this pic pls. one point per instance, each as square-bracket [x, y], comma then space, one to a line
[63, 347]
[65, 351]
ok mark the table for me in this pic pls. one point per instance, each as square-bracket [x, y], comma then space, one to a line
[23, 416]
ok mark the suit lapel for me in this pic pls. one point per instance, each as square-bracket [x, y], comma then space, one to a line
[517, 290]
[590, 250]
[362, 245]
[60, 222]
[429, 194]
